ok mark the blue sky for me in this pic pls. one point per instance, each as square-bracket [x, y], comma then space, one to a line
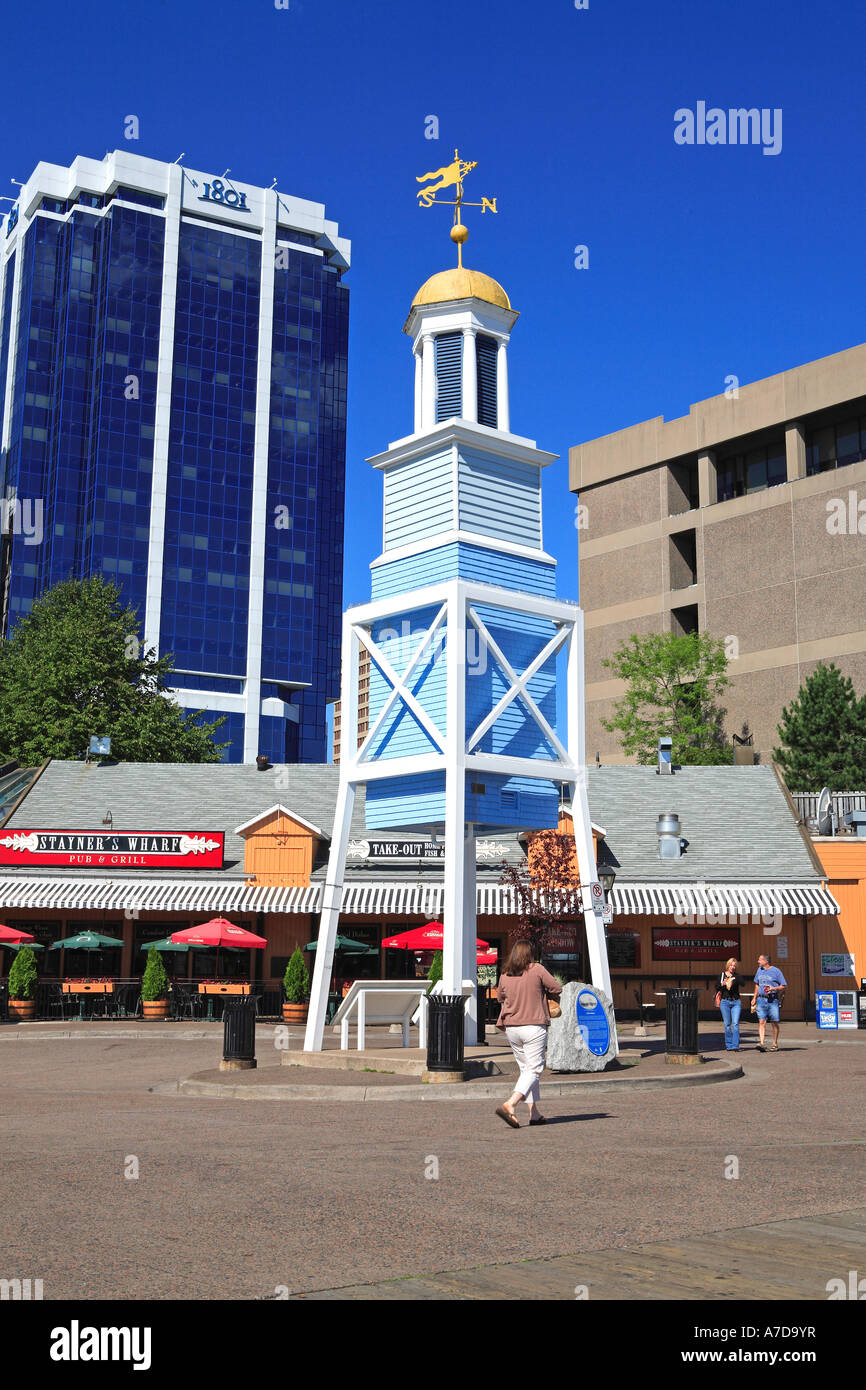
[704, 261]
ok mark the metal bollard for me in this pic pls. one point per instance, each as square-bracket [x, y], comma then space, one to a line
[681, 1026]
[239, 1035]
[445, 1033]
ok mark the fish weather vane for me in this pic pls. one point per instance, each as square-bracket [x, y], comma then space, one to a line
[452, 176]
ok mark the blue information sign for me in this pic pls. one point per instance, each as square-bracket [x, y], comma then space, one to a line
[592, 1022]
[826, 1009]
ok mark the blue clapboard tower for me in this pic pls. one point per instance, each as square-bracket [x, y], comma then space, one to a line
[464, 631]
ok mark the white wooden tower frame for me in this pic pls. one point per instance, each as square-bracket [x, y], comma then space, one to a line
[455, 602]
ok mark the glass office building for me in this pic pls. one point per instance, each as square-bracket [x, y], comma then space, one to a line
[173, 402]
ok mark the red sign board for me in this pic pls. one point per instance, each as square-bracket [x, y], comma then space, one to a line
[695, 943]
[561, 939]
[113, 849]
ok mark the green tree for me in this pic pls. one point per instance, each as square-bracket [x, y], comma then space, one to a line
[154, 981]
[296, 981]
[75, 666]
[673, 683]
[823, 735]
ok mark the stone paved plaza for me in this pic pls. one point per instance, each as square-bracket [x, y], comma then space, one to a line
[624, 1192]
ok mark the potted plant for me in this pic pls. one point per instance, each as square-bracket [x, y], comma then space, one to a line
[296, 985]
[22, 985]
[154, 987]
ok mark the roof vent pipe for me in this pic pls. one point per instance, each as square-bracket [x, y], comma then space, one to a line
[664, 753]
[668, 830]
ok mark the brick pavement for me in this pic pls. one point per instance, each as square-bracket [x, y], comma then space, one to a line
[233, 1200]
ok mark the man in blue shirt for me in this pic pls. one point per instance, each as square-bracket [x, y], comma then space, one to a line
[769, 983]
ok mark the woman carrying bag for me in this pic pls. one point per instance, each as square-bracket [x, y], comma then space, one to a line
[728, 1000]
[523, 991]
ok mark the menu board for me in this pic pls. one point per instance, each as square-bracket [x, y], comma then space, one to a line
[623, 950]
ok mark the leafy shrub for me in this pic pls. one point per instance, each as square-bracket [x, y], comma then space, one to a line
[296, 981]
[154, 984]
[22, 976]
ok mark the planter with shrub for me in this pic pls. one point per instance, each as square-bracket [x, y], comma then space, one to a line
[296, 985]
[22, 985]
[154, 988]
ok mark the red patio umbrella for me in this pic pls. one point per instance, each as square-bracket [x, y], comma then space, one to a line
[427, 938]
[11, 936]
[219, 932]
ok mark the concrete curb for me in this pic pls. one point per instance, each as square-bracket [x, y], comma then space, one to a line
[146, 1034]
[141, 1033]
[473, 1090]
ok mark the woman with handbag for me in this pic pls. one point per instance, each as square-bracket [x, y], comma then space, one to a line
[524, 989]
[728, 1000]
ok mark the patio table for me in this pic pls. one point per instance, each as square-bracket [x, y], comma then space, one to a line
[80, 988]
[212, 990]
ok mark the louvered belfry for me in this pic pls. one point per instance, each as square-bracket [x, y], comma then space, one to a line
[465, 635]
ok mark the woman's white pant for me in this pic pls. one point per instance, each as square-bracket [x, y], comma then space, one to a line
[529, 1046]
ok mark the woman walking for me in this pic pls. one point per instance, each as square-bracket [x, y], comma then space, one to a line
[730, 1003]
[524, 1018]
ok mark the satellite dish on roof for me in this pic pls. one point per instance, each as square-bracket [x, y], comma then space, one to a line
[824, 816]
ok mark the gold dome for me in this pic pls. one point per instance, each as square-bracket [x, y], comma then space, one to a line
[461, 283]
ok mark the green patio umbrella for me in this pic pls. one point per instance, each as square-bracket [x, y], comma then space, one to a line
[16, 945]
[85, 941]
[347, 945]
[88, 941]
[166, 945]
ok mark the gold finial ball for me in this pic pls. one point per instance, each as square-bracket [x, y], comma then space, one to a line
[459, 233]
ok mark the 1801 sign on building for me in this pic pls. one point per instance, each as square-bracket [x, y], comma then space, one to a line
[216, 192]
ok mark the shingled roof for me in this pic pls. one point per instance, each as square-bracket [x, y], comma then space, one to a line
[737, 820]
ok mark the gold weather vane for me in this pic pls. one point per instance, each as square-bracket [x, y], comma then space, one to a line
[452, 176]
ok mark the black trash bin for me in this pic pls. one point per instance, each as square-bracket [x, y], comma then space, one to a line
[445, 1032]
[239, 1034]
[681, 1025]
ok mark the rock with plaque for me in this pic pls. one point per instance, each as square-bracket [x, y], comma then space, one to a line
[583, 1038]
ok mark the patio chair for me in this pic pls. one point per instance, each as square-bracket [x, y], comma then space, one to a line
[127, 1001]
[103, 1005]
[184, 1002]
[56, 1001]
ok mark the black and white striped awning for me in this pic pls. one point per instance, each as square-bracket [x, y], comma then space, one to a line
[396, 899]
[393, 899]
[723, 899]
[154, 895]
